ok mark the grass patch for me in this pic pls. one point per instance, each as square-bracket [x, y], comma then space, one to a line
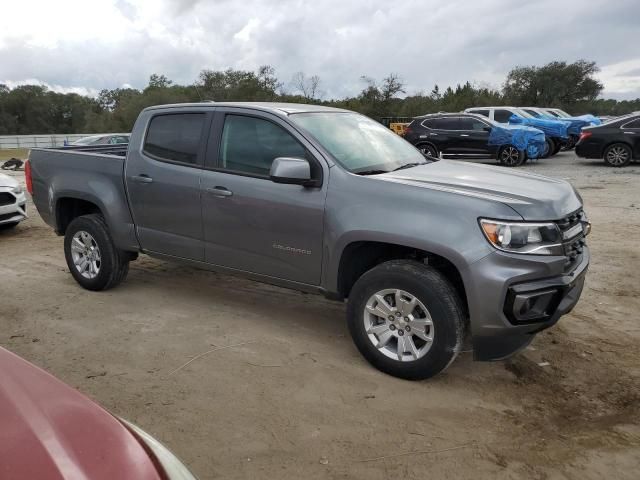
[8, 153]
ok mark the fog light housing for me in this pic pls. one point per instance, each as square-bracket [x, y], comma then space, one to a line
[530, 307]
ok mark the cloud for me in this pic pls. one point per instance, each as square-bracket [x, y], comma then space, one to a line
[107, 43]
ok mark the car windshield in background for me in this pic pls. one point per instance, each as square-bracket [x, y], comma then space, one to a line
[358, 143]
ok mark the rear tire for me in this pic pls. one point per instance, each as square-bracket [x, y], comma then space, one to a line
[92, 257]
[618, 155]
[429, 150]
[418, 303]
[510, 156]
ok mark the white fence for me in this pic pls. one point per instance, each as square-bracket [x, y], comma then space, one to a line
[39, 141]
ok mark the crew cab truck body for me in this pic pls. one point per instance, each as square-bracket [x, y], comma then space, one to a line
[326, 200]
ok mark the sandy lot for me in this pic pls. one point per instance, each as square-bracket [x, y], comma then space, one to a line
[298, 401]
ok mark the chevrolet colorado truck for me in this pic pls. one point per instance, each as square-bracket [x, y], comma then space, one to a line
[329, 201]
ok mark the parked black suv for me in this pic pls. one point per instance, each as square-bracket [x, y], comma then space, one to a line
[617, 141]
[459, 134]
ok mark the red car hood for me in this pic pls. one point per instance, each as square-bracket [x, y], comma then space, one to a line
[49, 431]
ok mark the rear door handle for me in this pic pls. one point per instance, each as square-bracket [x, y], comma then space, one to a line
[142, 178]
[220, 192]
[629, 133]
[464, 134]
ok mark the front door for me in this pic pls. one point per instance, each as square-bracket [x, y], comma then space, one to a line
[163, 184]
[251, 223]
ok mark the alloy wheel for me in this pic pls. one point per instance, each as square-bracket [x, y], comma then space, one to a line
[510, 156]
[398, 325]
[617, 156]
[86, 254]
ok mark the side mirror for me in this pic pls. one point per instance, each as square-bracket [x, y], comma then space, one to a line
[294, 171]
[487, 129]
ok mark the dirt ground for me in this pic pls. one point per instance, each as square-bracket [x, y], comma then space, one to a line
[296, 400]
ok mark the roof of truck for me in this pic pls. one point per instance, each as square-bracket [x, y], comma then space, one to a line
[274, 107]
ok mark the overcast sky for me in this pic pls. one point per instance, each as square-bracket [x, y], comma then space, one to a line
[87, 45]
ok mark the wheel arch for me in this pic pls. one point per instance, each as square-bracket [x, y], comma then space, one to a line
[70, 206]
[360, 256]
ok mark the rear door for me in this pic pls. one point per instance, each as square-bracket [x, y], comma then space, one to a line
[474, 136]
[631, 132]
[445, 130]
[251, 223]
[163, 182]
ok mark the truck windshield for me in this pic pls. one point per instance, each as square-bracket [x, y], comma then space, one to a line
[359, 144]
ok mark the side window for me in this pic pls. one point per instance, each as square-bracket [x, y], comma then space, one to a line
[448, 123]
[175, 137]
[633, 124]
[468, 123]
[502, 116]
[431, 123]
[482, 112]
[250, 145]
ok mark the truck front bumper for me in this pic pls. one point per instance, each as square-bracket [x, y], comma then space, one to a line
[513, 297]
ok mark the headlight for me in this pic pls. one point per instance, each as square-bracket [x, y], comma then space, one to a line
[17, 190]
[522, 237]
[172, 466]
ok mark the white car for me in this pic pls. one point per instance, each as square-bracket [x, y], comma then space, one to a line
[13, 202]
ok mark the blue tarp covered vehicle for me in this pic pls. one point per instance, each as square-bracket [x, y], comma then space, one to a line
[555, 128]
[529, 139]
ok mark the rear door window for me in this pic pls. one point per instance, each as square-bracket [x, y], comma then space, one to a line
[502, 116]
[448, 123]
[468, 123]
[481, 112]
[175, 137]
[633, 124]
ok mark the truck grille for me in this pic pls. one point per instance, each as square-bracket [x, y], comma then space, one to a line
[574, 241]
[6, 199]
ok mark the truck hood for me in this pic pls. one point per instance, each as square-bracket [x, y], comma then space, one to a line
[52, 432]
[534, 197]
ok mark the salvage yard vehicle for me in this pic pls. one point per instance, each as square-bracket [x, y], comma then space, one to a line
[468, 135]
[51, 432]
[13, 202]
[616, 141]
[555, 131]
[326, 200]
[576, 124]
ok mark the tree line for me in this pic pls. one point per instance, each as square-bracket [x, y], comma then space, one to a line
[31, 109]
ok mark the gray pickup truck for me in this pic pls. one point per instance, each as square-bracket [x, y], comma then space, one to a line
[326, 200]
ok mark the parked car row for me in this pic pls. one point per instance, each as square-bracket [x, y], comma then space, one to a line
[512, 135]
[616, 141]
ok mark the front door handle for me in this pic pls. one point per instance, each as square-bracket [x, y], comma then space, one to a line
[220, 192]
[142, 178]
[464, 134]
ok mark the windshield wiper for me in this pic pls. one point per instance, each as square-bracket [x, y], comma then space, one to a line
[371, 172]
[409, 165]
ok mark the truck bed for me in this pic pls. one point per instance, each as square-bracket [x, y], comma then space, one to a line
[93, 174]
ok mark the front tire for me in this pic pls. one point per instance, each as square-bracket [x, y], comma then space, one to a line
[92, 257]
[618, 155]
[510, 156]
[406, 319]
